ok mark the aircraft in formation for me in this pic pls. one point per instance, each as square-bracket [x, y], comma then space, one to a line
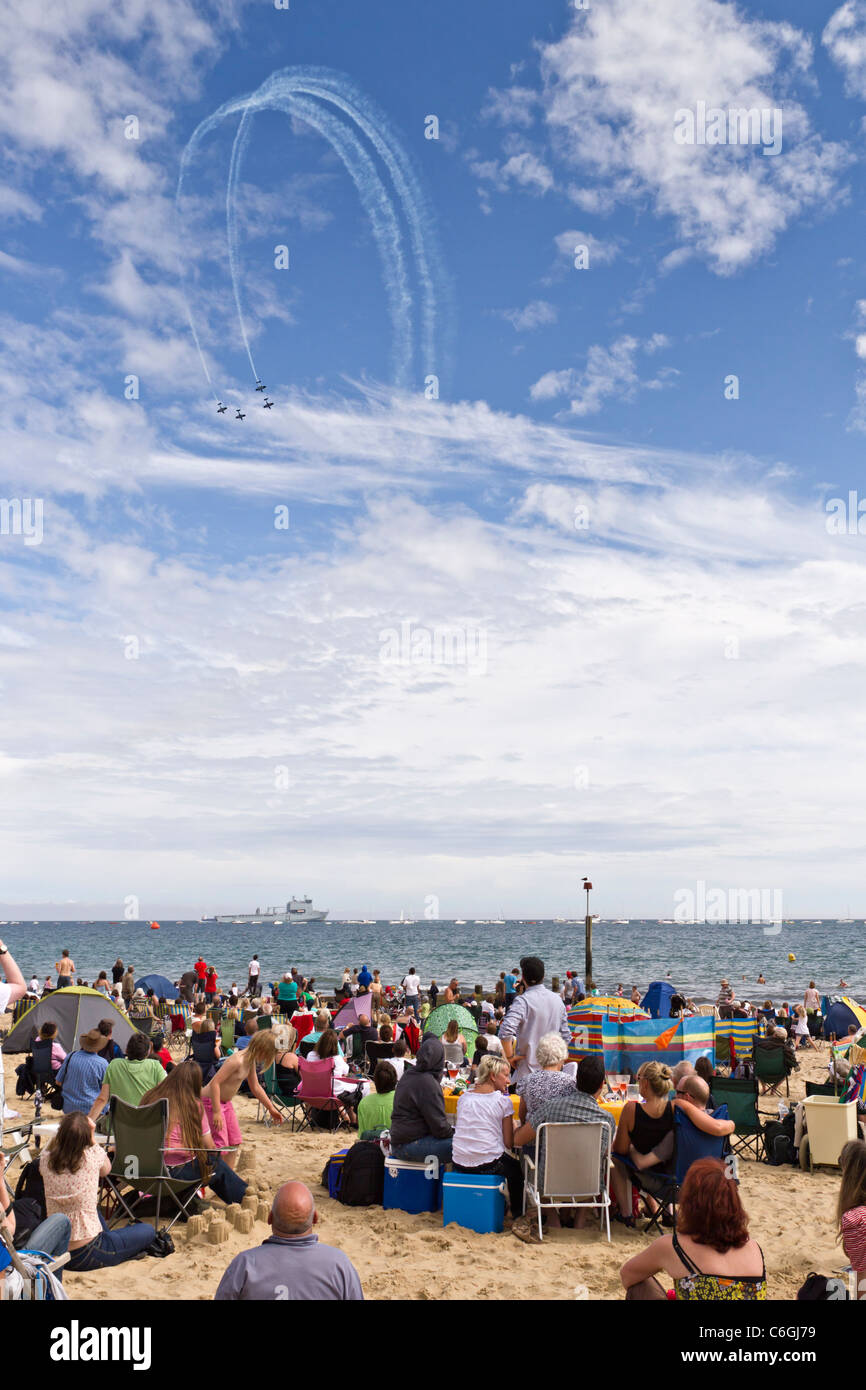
[239, 414]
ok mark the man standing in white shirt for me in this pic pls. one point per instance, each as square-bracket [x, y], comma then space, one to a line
[254, 969]
[534, 1013]
[14, 989]
[412, 988]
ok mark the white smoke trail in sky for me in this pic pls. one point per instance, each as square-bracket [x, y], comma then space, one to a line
[307, 93]
[239, 148]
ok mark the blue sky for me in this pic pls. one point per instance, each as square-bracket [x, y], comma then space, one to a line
[631, 647]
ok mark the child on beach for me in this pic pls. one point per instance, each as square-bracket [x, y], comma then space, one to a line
[802, 1036]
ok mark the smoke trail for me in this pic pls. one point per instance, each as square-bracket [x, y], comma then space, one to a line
[239, 149]
[308, 93]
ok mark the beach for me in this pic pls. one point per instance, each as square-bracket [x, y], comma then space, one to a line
[401, 1256]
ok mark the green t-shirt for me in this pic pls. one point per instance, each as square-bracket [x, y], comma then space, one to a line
[374, 1111]
[131, 1080]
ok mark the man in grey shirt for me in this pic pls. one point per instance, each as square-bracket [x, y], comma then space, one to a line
[291, 1265]
[534, 1013]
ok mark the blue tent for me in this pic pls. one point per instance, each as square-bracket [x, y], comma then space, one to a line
[162, 988]
[657, 1000]
[839, 1014]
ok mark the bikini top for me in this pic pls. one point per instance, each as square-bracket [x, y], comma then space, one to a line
[713, 1288]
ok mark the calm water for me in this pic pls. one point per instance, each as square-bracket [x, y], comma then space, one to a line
[697, 957]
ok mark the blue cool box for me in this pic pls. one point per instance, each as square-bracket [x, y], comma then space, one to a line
[474, 1200]
[410, 1186]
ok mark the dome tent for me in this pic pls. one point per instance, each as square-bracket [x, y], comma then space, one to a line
[75, 1011]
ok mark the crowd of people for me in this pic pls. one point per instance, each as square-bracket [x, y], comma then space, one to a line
[519, 1079]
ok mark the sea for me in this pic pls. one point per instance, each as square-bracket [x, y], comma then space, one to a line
[693, 957]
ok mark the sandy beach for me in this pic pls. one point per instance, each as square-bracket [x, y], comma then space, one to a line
[399, 1256]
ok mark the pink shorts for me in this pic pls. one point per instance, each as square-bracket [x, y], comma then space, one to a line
[230, 1135]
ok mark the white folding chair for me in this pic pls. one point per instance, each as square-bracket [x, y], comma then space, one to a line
[568, 1170]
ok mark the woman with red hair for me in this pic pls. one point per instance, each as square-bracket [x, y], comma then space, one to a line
[711, 1256]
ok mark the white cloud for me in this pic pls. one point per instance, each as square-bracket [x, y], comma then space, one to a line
[609, 371]
[535, 315]
[844, 37]
[614, 84]
[600, 252]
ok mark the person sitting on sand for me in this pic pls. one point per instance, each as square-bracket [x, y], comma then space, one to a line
[851, 1210]
[551, 1054]
[419, 1124]
[71, 1169]
[190, 1149]
[710, 1257]
[129, 1077]
[484, 1131]
[493, 1043]
[453, 1037]
[220, 1091]
[291, 1264]
[375, 1109]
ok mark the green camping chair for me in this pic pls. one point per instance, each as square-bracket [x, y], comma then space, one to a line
[286, 1104]
[15, 1143]
[769, 1066]
[138, 1169]
[227, 1036]
[741, 1098]
[821, 1088]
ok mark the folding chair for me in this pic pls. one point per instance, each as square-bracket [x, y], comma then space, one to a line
[568, 1170]
[202, 1049]
[376, 1052]
[770, 1066]
[43, 1071]
[177, 1035]
[316, 1091]
[741, 1098]
[227, 1035]
[15, 1144]
[32, 1266]
[286, 1104]
[138, 1134]
[690, 1144]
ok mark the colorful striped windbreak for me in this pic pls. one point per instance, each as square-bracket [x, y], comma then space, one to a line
[743, 1031]
[626, 1046]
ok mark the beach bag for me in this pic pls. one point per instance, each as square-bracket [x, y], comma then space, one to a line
[363, 1183]
[819, 1289]
[31, 1188]
[332, 1173]
[779, 1142]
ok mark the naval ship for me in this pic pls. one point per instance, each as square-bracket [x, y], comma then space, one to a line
[298, 910]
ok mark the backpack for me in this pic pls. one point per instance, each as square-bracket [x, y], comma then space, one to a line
[332, 1173]
[363, 1182]
[779, 1141]
[819, 1289]
[29, 1203]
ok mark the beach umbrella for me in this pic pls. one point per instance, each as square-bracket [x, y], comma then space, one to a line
[587, 1019]
[160, 984]
[75, 1010]
[439, 1018]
